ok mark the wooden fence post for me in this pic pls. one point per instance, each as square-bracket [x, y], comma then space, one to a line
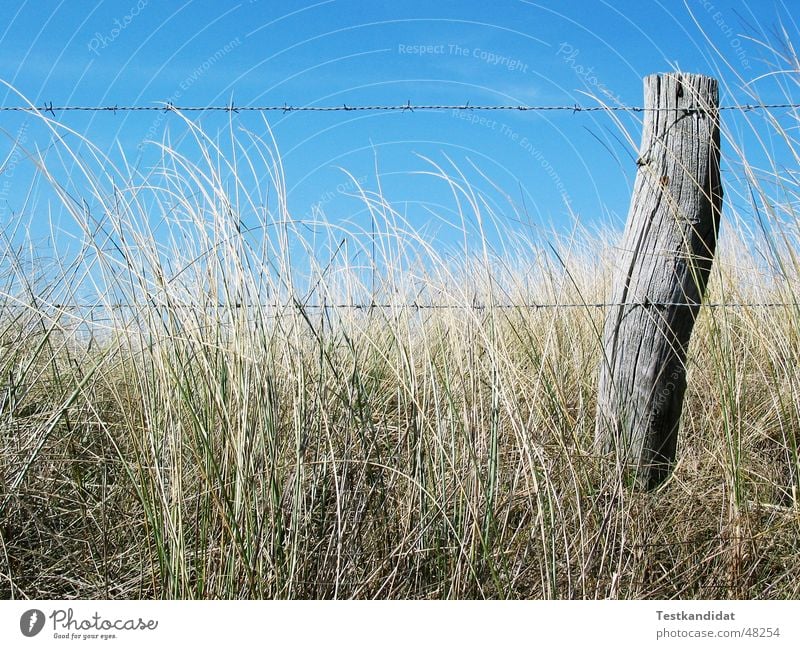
[660, 275]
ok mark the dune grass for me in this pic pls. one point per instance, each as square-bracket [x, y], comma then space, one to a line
[225, 423]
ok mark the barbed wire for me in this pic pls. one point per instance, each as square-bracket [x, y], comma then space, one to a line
[407, 107]
[366, 306]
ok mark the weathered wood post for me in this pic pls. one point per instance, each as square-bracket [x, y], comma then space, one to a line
[660, 275]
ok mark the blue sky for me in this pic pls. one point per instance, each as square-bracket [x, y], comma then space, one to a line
[540, 170]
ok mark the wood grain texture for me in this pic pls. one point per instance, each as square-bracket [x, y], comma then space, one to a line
[666, 256]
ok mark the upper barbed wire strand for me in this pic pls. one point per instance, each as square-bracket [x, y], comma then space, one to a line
[408, 107]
